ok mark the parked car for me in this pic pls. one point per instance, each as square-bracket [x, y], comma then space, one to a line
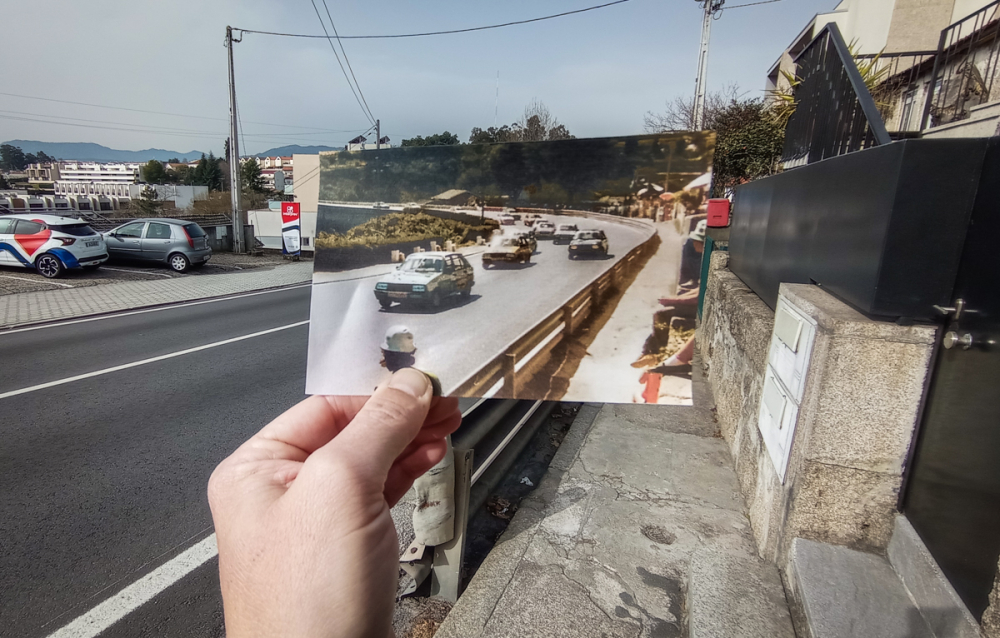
[529, 236]
[50, 244]
[507, 249]
[429, 277]
[588, 243]
[506, 220]
[545, 230]
[564, 233]
[530, 219]
[178, 243]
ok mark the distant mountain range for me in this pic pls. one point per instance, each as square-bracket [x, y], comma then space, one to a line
[87, 152]
[295, 148]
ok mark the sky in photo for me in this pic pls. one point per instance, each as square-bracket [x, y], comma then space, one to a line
[598, 72]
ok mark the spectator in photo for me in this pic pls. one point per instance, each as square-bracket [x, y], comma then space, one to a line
[690, 275]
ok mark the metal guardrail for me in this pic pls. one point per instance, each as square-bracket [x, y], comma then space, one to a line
[835, 114]
[505, 375]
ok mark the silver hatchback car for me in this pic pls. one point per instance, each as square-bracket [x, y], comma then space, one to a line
[178, 243]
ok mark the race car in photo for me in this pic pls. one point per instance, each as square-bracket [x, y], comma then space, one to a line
[51, 244]
[588, 243]
[528, 236]
[428, 278]
[564, 233]
[507, 249]
[545, 230]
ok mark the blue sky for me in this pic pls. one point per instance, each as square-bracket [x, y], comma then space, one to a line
[598, 72]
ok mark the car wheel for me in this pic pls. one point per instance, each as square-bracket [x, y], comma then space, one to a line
[178, 262]
[49, 266]
[385, 303]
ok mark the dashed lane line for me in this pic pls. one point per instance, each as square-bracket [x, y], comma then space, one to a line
[134, 364]
[101, 617]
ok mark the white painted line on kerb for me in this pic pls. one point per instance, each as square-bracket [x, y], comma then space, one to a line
[182, 304]
[37, 281]
[141, 272]
[162, 357]
[140, 592]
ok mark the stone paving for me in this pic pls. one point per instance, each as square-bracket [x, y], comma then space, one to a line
[52, 305]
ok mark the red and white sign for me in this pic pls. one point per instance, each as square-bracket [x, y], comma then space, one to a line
[291, 228]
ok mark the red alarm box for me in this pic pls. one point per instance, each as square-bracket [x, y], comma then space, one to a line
[718, 213]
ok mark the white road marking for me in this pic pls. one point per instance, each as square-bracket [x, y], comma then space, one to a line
[158, 309]
[140, 592]
[141, 272]
[38, 281]
[162, 357]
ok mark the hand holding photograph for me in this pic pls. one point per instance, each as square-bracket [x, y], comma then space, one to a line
[550, 270]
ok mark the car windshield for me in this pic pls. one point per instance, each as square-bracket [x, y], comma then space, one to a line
[567, 227]
[588, 234]
[77, 230]
[423, 264]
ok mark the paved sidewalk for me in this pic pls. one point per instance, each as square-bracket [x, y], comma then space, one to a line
[638, 529]
[620, 340]
[51, 305]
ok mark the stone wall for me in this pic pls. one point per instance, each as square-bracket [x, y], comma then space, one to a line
[856, 420]
[991, 618]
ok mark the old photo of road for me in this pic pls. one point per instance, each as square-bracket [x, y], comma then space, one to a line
[495, 267]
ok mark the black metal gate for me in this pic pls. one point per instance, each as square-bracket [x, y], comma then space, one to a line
[953, 489]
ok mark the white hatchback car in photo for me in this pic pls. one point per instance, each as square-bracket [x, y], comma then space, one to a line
[50, 244]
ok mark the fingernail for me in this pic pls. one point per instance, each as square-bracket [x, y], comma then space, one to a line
[411, 382]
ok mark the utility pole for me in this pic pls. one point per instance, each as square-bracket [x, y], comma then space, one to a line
[711, 7]
[378, 134]
[234, 152]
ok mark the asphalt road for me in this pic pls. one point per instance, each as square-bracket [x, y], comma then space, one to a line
[103, 478]
[453, 341]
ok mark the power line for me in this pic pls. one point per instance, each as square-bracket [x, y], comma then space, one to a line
[752, 4]
[370, 115]
[450, 32]
[337, 55]
[198, 117]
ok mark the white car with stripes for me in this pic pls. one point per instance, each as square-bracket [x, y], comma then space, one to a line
[50, 244]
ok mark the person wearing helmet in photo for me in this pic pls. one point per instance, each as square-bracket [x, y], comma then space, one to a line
[399, 351]
[434, 517]
[694, 247]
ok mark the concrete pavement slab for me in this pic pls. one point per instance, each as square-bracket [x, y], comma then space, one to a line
[52, 305]
[605, 544]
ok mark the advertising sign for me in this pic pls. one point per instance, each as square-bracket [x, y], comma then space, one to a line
[291, 228]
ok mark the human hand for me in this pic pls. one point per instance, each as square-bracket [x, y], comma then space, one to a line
[306, 543]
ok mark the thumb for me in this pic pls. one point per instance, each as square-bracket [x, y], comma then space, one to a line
[386, 425]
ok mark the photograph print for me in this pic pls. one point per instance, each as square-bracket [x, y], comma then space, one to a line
[557, 270]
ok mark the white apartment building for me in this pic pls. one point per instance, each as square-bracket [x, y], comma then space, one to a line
[94, 172]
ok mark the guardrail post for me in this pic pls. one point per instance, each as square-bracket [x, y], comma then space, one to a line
[595, 296]
[567, 312]
[446, 578]
[509, 362]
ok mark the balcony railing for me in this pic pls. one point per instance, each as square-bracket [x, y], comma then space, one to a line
[835, 113]
[897, 95]
[965, 68]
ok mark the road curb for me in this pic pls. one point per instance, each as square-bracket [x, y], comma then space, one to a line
[166, 304]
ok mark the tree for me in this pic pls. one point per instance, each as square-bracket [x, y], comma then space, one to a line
[153, 172]
[537, 124]
[438, 139]
[173, 160]
[225, 149]
[31, 158]
[180, 174]
[12, 158]
[492, 135]
[43, 157]
[147, 204]
[679, 113]
[250, 176]
[213, 173]
[748, 145]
